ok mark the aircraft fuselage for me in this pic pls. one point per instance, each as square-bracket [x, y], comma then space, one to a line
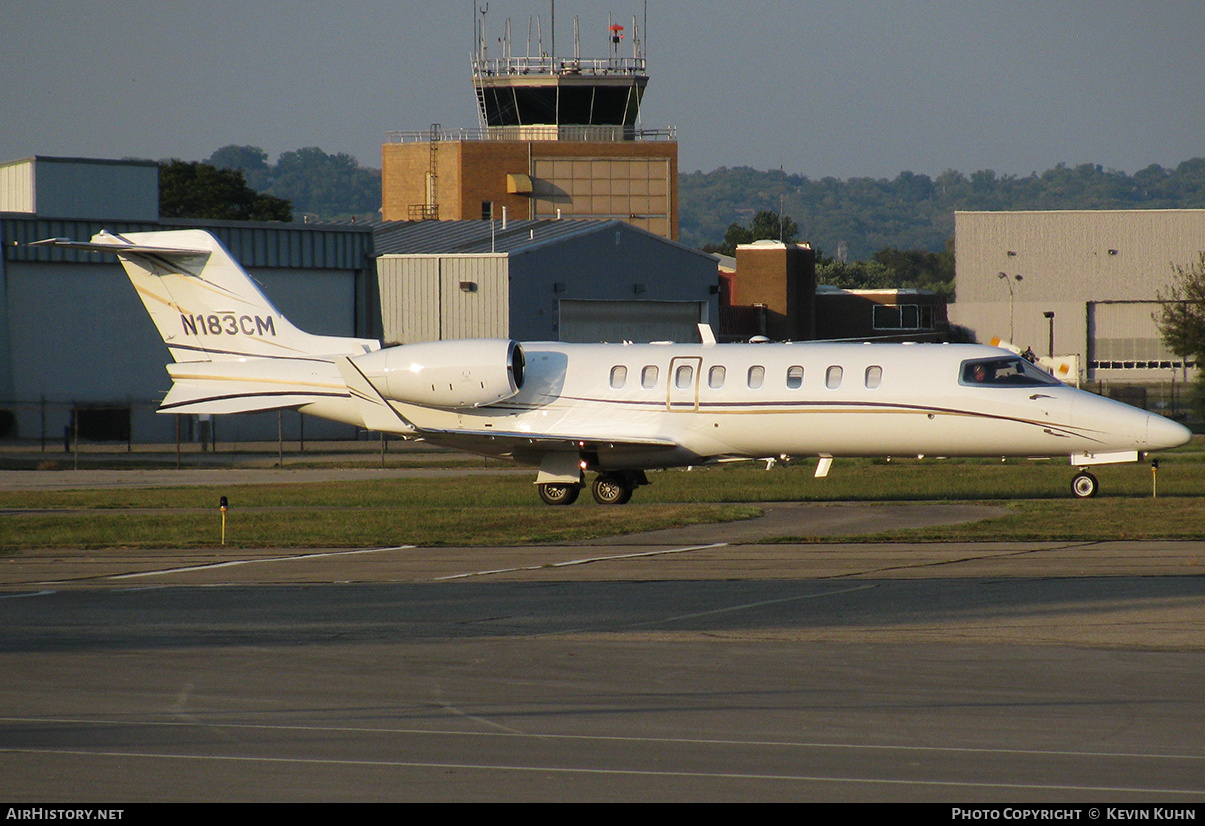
[809, 399]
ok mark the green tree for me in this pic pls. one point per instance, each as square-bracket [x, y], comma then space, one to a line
[766, 224]
[854, 275]
[250, 160]
[921, 269]
[198, 190]
[1181, 321]
[329, 186]
[912, 211]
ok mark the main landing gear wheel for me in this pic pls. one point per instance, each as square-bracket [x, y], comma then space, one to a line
[553, 494]
[1084, 485]
[611, 490]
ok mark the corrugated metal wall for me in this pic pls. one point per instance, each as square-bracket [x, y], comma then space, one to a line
[16, 186]
[78, 335]
[433, 297]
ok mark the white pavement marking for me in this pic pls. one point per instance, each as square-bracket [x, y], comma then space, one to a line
[234, 562]
[583, 561]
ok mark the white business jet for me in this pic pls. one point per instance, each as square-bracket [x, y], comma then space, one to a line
[615, 409]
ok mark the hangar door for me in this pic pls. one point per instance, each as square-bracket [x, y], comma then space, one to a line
[1123, 335]
[585, 320]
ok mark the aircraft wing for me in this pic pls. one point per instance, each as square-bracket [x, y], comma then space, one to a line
[399, 417]
[557, 455]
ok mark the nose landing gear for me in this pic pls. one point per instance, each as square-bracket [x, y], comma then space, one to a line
[1084, 485]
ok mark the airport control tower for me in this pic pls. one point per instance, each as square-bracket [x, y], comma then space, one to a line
[549, 98]
[556, 137]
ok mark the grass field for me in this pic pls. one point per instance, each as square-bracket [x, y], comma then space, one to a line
[505, 509]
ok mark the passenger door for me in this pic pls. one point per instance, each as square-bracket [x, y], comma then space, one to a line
[682, 387]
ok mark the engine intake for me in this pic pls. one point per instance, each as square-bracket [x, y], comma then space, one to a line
[458, 374]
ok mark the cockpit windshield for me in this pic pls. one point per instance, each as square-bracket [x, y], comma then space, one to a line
[1007, 371]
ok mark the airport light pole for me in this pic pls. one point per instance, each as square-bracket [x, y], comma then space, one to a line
[1009, 282]
[1050, 318]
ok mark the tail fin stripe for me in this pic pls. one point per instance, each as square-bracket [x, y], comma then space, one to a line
[190, 348]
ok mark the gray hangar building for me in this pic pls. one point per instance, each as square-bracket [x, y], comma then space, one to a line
[541, 280]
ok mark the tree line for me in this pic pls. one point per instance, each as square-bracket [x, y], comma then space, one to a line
[238, 183]
[853, 219]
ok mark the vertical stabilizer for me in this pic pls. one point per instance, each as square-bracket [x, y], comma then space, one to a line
[205, 306]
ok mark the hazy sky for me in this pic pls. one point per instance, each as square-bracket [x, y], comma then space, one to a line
[821, 88]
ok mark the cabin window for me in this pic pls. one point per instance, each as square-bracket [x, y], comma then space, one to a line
[832, 378]
[715, 377]
[794, 377]
[684, 377]
[1009, 371]
[619, 377]
[757, 375]
[874, 377]
[648, 377]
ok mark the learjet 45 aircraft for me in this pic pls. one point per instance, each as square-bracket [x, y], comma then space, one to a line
[616, 410]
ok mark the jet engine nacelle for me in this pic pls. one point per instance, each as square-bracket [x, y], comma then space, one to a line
[449, 374]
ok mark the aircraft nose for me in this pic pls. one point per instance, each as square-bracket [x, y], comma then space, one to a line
[1163, 433]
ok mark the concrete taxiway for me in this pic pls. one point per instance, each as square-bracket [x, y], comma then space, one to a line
[683, 665]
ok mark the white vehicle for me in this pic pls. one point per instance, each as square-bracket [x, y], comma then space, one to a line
[615, 409]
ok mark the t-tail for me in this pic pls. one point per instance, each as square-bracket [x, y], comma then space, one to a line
[234, 352]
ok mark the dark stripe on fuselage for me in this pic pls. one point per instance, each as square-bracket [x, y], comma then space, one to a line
[730, 408]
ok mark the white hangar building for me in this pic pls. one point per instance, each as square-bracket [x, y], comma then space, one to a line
[1090, 278]
[541, 280]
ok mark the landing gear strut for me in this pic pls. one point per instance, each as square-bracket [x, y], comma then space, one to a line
[1084, 485]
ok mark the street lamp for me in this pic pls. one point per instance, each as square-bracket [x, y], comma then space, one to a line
[1009, 282]
[1050, 318]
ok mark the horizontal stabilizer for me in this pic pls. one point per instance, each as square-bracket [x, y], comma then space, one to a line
[185, 399]
[116, 246]
[250, 386]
